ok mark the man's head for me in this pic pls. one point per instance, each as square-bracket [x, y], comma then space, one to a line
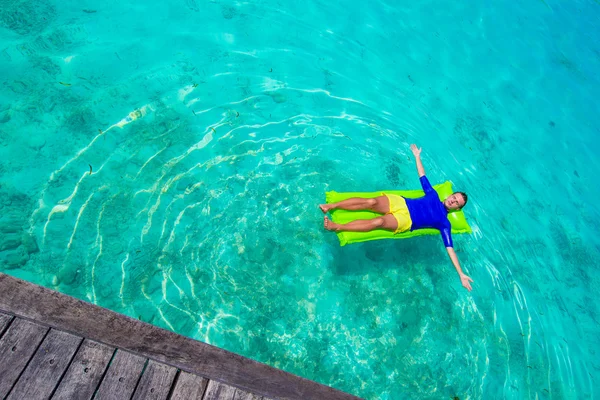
[456, 201]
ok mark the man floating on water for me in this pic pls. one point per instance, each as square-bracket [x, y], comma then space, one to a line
[401, 214]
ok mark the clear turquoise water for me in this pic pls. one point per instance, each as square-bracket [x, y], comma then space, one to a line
[201, 213]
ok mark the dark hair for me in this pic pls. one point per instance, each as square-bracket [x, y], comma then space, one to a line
[465, 197]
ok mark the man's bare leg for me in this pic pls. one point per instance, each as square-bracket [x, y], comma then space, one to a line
[379, 205]
[387, 222]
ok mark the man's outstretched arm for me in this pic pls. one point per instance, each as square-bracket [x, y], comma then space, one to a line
[417, 153]
[464, 279]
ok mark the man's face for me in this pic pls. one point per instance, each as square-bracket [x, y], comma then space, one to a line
[454, 202]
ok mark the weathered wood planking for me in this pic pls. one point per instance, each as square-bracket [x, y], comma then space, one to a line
[156, 382]
[189, 387]
[122, 376]
[46, 367]
[242, 395]
[17, 346]
[219, 391]
[96, 323]
[5, 320]
[84, 373]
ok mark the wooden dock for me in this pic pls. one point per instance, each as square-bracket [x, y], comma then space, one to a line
[53, 346]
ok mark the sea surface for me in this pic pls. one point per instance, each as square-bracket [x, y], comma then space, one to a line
[166, 159]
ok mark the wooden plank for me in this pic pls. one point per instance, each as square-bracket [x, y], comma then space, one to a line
[84, 373]
[87, 320]
[5, 321]
[189, 387]
[46, 367]
[17, 346]
[219, 391]
[156, 382]
[243, 395]
[122, 376]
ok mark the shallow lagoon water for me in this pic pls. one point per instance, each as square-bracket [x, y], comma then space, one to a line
[212, 131]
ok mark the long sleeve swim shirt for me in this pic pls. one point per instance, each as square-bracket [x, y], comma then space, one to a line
[429, 212]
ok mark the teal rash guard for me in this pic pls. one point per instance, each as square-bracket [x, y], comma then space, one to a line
[429, 212]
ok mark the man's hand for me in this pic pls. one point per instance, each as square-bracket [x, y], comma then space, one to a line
[417, 153]
[465, 282]
[415, 150]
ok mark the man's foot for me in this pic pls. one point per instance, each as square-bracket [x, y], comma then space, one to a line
[325, 207]
[329, 225]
